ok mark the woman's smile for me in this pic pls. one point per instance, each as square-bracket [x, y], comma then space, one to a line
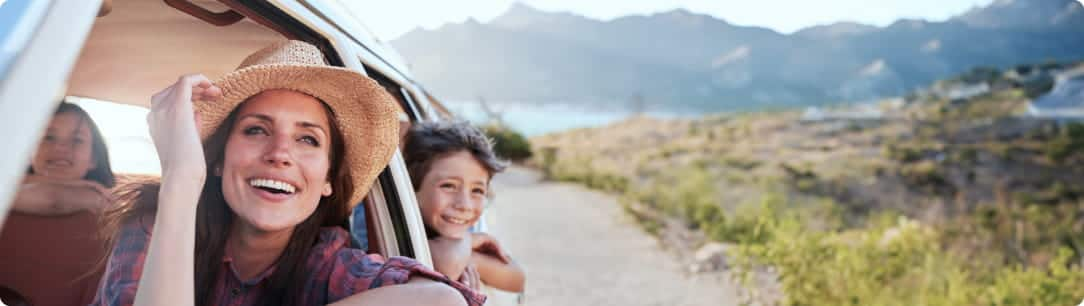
[272, 189]
[276, 161]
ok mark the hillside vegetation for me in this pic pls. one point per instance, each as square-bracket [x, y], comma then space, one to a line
[935, 202]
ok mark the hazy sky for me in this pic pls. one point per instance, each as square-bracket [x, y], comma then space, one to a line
[390, 19]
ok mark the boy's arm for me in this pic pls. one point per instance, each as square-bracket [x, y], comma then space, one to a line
[450, 256]
[495, 267]
[498, 274]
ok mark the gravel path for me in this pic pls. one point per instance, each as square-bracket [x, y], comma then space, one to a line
[579, 248]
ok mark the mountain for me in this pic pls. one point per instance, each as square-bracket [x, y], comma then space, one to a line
[684, 60]
[835, 30]
[1025, 13]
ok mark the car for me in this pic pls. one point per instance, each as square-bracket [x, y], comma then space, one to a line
[123, 51]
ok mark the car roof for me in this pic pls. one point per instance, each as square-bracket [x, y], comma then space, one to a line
[136, 49]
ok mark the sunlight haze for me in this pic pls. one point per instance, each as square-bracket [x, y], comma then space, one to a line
[389, 20]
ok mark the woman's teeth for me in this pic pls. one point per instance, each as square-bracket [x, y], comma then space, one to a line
[274, 185]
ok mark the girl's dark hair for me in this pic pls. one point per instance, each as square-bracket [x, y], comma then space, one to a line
[428, 141]
[139, 198]
[103, 171]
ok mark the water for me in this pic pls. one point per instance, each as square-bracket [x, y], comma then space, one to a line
[534, 119]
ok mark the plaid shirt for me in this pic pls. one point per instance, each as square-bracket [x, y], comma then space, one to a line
[337, 272]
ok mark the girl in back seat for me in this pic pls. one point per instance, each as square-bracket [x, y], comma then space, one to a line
[50, 241]
[70, 172]
[451, 165]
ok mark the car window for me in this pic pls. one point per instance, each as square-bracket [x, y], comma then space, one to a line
[18, 19]
[406, 103]
[124, 128]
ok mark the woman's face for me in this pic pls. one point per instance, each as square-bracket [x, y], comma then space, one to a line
[276, 162]
[66, 151]
[453, 194]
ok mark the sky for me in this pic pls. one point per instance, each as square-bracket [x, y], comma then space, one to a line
[390, 19]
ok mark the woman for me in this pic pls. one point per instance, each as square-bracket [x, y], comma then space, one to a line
[288, 145]
[70, 171]
[59, 202]
[451, 165]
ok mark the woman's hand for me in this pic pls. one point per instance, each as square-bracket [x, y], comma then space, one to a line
[173, 125]
[471, 278]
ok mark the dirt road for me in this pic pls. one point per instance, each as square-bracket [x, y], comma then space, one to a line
[579, 248]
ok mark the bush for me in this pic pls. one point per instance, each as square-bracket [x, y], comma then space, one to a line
[1070, 140]
[898, 263]
[926, 174]
[580, 169]
[902, 153]
[508, 143]
[1057, 284]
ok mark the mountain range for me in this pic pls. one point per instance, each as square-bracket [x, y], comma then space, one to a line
[681, 60]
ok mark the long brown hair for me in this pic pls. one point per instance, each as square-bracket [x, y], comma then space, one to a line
[103, 171]
[213, 219]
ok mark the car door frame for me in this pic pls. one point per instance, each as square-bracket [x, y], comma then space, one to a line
[44, 46]
[310, 23]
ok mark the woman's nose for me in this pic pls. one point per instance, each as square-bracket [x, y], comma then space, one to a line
[278, 152]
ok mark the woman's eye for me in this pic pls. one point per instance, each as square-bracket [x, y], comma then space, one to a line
[255, 130]
[78, 141]
[447, 186]
[310, 140]
[50, 138]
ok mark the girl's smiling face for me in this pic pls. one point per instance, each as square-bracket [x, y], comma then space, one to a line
[276, 163]
[453, 193]
[65, 151]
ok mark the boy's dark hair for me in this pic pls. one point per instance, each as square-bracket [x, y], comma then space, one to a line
[428, 141]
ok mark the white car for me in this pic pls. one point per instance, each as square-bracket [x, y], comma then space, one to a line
[123, 51]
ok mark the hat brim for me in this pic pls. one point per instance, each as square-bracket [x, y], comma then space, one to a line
[363, 110]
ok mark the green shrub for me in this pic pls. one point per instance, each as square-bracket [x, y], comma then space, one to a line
[926, 174]
[902, 153]
[739, 162]
[1070, 141]
[508, 143]
[898, 263]
[1057, 284]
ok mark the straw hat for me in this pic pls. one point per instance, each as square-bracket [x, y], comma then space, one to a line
[364, 111]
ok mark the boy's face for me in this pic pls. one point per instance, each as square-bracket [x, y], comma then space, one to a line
[453, 193]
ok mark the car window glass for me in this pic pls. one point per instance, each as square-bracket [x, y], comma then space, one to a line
[18, 19]
[124, 128]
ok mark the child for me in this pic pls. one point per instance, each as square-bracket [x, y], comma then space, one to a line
[451, 165]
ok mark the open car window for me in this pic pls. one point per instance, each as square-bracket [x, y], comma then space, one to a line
[39, 42]
[121, 59]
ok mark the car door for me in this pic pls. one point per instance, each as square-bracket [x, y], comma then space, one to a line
[48, 53]
[40, 42]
